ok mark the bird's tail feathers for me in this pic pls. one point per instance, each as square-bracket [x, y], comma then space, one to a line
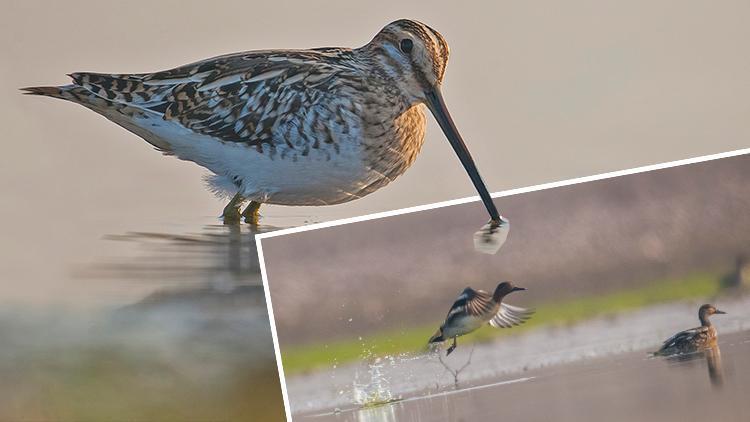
[120, 113]
[437, 337]
[48, 91]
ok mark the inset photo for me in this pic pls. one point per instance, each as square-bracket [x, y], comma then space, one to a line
[612, 297]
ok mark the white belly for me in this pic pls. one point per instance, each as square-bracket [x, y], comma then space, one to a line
[283, 177]
[318, 179]
[461, 326]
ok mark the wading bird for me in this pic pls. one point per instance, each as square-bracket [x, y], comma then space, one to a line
[474, 308]
[290, 127]
[694, 339]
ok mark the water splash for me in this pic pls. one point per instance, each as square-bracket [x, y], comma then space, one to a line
[372, 387]
[372, 380]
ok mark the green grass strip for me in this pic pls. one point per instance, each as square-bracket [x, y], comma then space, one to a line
[308, 357]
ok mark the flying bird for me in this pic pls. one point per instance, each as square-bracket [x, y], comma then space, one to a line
[290, 127]
[474, 308]
[694, 339]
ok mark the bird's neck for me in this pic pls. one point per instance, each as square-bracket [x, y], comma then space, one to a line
[381, 68]
[704, 320]
[498, 296]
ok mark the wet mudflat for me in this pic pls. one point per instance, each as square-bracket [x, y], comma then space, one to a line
[179, 331]
[625, 387]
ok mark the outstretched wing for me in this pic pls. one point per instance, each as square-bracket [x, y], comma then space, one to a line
[509, 315]
[473, 302]
[239, 97]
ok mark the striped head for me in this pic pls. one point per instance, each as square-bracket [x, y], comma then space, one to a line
[412, 55]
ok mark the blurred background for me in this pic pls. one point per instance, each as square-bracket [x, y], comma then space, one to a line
[96, 221]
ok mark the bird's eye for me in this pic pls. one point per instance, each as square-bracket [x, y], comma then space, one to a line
[406, 45]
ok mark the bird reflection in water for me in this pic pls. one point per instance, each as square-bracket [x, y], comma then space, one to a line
[180, 323]
[715, 370]
[217, 256]
[712, 355]
[204, 303]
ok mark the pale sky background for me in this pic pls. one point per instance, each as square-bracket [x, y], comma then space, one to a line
[541, 91]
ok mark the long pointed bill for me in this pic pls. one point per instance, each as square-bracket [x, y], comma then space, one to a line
[492, 236]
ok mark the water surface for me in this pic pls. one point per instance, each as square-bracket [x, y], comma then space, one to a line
[537, 354]
[179, 331]
[624, 387]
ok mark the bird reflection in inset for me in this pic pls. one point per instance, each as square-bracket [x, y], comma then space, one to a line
[715, 369]
[712, 355]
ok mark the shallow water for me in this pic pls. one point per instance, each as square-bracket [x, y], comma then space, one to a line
[542, 351]
[623, 387]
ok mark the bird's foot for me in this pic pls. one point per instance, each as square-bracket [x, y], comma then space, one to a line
[451, 348]
[231, 217]
[252, 213]
[231, 214]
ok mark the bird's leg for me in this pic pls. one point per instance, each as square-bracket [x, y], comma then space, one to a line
[452, 348]
[231, 213]
[251, 213]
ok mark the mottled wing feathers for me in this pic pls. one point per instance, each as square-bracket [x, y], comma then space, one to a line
[210, 71]
[684, 338]
[478, 303]
[124, 89]
[240, 97]
[249, 104]
[472, 302]
[509, 315]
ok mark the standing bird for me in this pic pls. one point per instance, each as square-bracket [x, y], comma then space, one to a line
[694, 339]
[474, 308]
[290, 127]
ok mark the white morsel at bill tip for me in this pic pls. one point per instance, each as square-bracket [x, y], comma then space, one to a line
[490, 238]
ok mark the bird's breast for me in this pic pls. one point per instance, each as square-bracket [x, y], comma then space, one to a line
[390, 147]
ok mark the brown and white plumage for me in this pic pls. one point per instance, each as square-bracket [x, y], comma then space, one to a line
[694, 339]
[290, 127]
[474, 308]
